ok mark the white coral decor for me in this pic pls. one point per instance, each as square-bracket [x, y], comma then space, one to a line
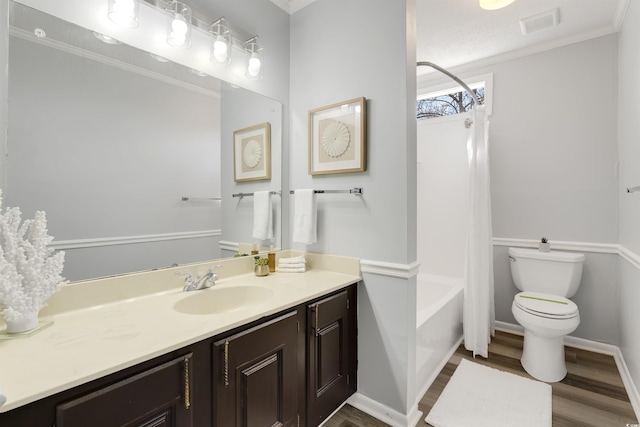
[29, 269]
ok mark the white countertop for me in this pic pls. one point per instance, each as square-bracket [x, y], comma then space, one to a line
[90, 342]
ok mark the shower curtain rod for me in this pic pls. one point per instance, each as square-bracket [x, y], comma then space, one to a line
[453, 76]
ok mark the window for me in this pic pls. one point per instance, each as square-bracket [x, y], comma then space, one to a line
[451, 99]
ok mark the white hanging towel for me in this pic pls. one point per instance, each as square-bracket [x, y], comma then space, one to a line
[262, 224]
[304, 217]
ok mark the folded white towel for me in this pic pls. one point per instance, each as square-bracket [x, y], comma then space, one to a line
[304, 217]
[262, 223]
[298, 265]
[292, 260]
[292, 269]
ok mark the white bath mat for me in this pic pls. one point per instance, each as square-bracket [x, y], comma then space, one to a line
[478, 396]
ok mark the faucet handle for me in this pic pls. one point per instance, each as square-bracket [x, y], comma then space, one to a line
[189, 283]
[211, 270]
[187, 276]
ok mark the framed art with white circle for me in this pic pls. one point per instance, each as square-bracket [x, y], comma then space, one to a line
[252, 153]
[337, 138]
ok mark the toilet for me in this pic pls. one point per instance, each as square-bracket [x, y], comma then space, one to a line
[546, 280]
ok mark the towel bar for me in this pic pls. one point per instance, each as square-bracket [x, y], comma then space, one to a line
[198, 199]
[357, 191]
[251, 194]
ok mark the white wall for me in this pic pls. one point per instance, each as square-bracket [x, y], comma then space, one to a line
[443, 196]
[629, 204]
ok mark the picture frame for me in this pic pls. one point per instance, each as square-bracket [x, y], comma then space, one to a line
[337, 138]
[252, 153]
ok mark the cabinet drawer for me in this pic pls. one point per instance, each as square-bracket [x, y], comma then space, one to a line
[160, 396]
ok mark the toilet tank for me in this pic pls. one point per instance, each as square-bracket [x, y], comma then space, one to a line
[555, 272]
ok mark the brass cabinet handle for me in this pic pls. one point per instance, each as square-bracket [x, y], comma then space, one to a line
[187, 383]
[226, 363]
[317, 325]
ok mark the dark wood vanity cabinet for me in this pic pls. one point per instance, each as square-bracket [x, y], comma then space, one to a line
[331, 354]
[293, 368]
[255, 375]
[157, 397]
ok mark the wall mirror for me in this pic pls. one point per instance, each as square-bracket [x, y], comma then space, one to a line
[108, 140]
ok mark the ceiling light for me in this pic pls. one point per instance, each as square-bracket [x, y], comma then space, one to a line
[123, 12]
[221, 42]
[179, 28]
[494, 4]
[254, 59]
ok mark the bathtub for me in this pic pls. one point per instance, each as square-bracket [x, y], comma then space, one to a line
[438, 326]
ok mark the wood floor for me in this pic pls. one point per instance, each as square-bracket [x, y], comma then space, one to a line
[591, 395]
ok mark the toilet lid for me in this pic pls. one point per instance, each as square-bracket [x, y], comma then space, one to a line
[546, 305]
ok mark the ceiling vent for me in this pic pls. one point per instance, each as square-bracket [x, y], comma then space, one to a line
[540, 21]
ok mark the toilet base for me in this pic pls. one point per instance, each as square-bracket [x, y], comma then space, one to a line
[543, 357]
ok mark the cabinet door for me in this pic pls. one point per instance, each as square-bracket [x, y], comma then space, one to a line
[331, 354]
[158, 397]
[255, 375]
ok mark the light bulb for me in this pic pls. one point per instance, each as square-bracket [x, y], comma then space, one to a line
[220, 49]
[179, 25]
[123, 13]
[254, 65]
[179, 31]
[124, 7]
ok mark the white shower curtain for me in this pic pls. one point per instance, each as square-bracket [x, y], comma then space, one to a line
[479, 309]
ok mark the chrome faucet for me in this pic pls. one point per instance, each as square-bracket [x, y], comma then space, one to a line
[199, 282]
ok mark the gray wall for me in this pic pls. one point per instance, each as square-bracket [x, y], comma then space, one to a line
[241, 109]
[106, 152]
[369, 51]
[344, 63]
[629, 204]
[553, 150]
[4, 85]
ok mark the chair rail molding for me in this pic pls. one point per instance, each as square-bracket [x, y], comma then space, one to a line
[128, 240]
[601, 248]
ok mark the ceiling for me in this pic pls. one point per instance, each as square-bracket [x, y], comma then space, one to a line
[451, 33]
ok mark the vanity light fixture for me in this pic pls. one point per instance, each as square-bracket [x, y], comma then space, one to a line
[123, 12]
[494, 4]
[221, 42]
[179, 28]
[254, 59]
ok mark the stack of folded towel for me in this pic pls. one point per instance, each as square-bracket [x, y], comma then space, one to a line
[292, 265]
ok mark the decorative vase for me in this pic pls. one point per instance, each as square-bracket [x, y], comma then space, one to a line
[28, 322]
[261, 270]
[544, 247]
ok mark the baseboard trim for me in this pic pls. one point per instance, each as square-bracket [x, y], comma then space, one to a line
[596, 347]
[384, 413]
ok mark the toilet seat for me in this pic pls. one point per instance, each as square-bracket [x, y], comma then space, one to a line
[546, 305]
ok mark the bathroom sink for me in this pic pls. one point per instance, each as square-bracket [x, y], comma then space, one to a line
[222, 300]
